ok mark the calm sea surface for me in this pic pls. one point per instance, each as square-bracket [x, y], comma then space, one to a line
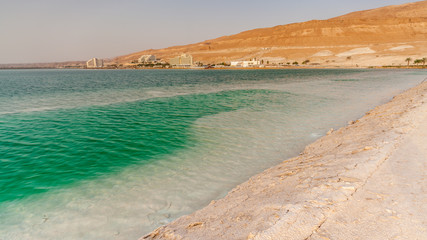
[114, 154]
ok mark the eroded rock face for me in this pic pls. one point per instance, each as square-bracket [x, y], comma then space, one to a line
[379, 29]
[343, 182]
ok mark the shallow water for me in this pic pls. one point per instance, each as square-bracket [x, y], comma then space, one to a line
[115, 154]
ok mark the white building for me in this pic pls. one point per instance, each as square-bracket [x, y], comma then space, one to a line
[147, 59]
[184, 60]
[252, 63]
[95, 63]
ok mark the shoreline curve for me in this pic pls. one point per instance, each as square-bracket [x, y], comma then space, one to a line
[345, 185]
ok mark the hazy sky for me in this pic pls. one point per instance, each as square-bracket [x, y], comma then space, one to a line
[59, 30]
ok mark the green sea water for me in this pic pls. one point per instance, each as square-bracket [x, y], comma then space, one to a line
[45, 150]
[114, 154]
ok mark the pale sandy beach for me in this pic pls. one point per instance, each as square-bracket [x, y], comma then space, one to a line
[363, 181]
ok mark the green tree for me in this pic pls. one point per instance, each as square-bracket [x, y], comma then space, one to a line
[306, 61]
[417, 61]
[408, 60]
[295, 63]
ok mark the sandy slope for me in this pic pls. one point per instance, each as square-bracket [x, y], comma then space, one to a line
[363, 181]
[381, 30]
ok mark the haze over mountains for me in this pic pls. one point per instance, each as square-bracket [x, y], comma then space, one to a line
[382, 36]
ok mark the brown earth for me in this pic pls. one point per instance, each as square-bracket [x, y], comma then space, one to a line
[383, 36]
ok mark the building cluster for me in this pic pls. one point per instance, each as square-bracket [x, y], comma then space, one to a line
[181, 61]
[184, 60]
[147, 59]
[251, 63]
[95, 63]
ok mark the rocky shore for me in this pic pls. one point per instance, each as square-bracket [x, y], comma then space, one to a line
[364, 181]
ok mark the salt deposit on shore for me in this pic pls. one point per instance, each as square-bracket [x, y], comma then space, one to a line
[363, 181]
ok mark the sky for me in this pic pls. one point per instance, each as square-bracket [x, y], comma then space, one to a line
[59, 30]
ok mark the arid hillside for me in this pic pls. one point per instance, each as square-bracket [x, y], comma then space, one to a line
[383, 36]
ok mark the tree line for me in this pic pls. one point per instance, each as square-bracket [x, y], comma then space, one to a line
[416, 61]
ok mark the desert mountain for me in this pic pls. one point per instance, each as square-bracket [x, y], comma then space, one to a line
[382, 36]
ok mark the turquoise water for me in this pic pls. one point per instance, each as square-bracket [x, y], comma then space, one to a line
[54, 148]
[115, 154]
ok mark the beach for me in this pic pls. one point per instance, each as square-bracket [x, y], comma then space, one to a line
[363, 181]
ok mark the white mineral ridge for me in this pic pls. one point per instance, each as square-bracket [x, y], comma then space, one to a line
[356, 51]
[324, 53]
[400, 48]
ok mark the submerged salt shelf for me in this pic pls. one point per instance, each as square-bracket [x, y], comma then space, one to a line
[176, 140]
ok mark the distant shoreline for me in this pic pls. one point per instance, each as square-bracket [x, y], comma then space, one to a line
[223, 68]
